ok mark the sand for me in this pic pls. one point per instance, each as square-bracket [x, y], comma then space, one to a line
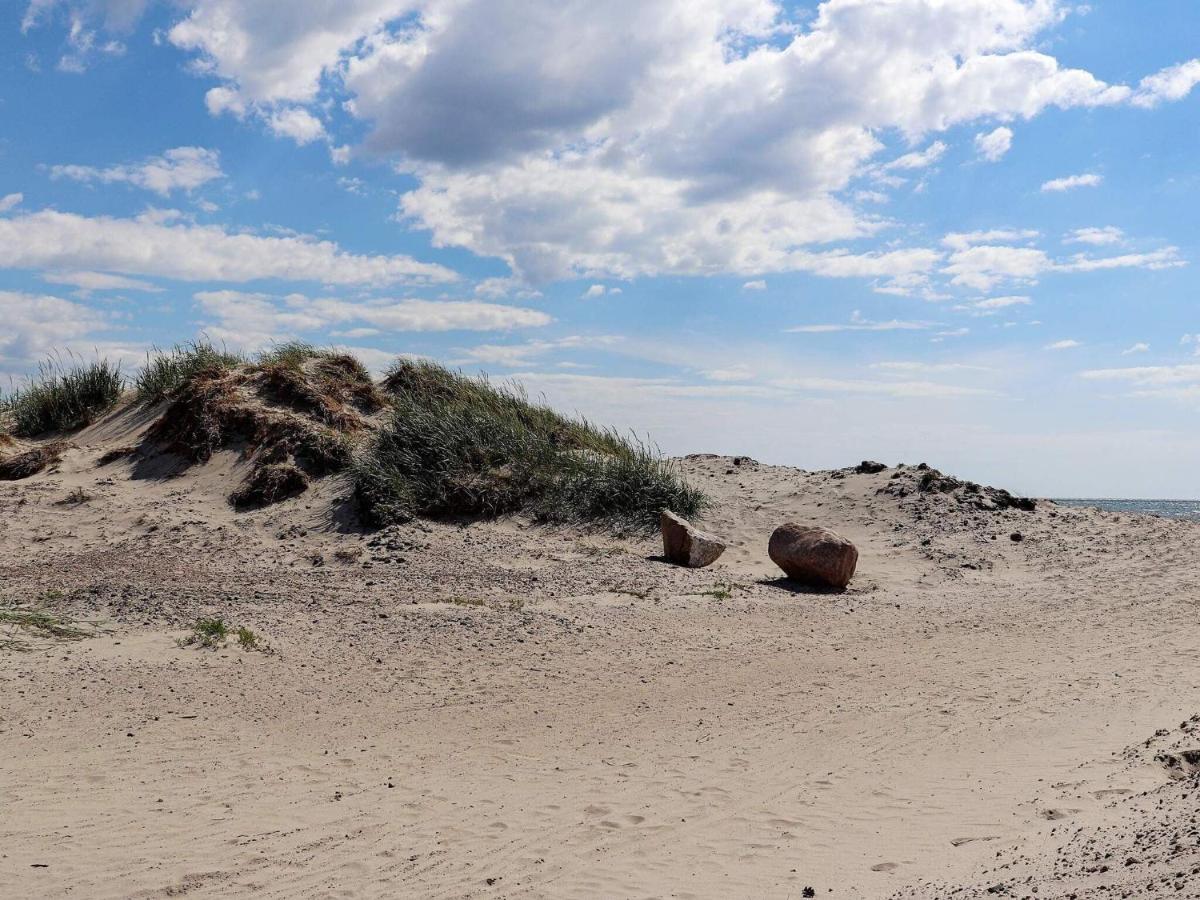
[504, 710]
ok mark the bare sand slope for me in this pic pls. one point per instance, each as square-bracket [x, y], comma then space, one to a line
[501, 710]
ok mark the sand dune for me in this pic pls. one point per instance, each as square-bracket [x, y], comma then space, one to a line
[504, 710]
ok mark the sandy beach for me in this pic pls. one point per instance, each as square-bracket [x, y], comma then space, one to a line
[501, 709]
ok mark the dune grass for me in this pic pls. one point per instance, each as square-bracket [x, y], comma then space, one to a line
[334, 387]
[62, 397]
[22, 628]
[167, 370]
[458, 446]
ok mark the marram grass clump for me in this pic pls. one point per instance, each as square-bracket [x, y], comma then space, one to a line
[62, 397]
[457, 446]
[166, 371]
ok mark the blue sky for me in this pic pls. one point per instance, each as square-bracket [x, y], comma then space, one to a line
[959, 231]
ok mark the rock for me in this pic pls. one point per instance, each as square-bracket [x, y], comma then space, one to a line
[688, 546]
[869, 467]
[1016, 537]
[813, 555]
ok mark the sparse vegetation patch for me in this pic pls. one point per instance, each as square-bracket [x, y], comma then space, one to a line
[23, 629]
[214, 632]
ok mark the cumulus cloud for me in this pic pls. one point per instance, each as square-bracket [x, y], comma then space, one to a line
[37, 324]
[1139, 347]
[1058, 185]
[602, 140]
[297, 123]
[1067, 344]
[10, 201]
[254, 320]
[1173, 83]
[1097, 237]
[690, 127]
[159, 245]
[756, 285]
[182, 168]
[994, 145]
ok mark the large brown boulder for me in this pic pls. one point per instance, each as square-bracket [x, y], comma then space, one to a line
[813, 555]
[688, 546]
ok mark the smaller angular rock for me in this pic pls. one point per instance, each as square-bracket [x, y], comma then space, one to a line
[869, 467]
[688, 546]
[813, 555]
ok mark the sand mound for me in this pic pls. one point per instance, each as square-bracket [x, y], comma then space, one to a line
[280, 417]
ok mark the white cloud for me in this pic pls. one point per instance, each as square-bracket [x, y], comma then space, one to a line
[182, 168]
[1097, 237]
[924, 368]
[996, 303]
[10, 201]
[918, 160]
[571, 138]
[254, 319]
[984, 267]
[511, 355]
[927, 389]
[1165, 258]
[38, 324]
[1173, 83]
[156, 245]
[739, 372]
[1068, 344]
[297, 123]
[859, 323]
[1148, 374]
[963, 240]
[596, 290]
[758, 285]
[994, 145]
[1140, 347]
[100, 281]
[1058, 185]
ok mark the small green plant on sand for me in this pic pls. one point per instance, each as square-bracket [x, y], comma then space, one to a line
[213, 633]
[722, 590]
[206, 633]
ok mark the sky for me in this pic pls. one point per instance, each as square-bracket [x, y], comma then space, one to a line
[962, 232]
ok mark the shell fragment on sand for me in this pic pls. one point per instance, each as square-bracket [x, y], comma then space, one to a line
[813, 555]
[688, 546]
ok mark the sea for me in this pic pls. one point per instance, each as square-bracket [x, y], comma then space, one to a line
[1172, 509]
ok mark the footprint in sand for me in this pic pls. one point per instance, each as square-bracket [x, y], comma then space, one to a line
[958, 842]
[1054, 815]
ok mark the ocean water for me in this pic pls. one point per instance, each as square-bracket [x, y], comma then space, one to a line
[1173, 509]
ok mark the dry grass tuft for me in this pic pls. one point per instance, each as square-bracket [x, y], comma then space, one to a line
[30, 462]
[269, 484]
[218, 408]
[333, 387]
